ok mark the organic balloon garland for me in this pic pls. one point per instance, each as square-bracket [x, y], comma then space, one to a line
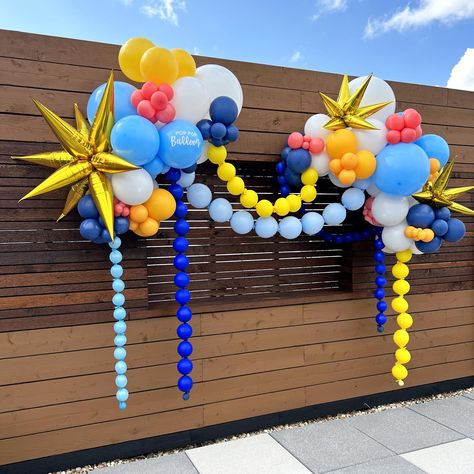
[182, 115]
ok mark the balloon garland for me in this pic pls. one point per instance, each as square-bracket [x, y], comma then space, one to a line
[182, 115]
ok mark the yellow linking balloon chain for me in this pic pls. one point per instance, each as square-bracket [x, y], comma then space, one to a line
[249, 198]
[404, 320]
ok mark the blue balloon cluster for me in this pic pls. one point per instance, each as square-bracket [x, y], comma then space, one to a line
[220, 130]
[293, 163]
[439, 220]
[380, 282]
[93, 227]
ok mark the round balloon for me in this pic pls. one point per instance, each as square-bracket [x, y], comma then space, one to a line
[199, 195]
[372, 140]
[290, 227]
[132, 187]
[186, 63]
[312, 223]
[435, 147]
[241, 222]
[266, 227]
[130, 55]
[320, 163]
[220, 210]
[314, 126]
[389, 210]
[353, 199]
[191, 100]
[159, 65]
[394, 237]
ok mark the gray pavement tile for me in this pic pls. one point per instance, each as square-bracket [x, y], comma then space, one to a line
[469, 395]
[331, 445]
[456, 457]
[403, 430]
[168, 464]
[456, 413]
[390, 465]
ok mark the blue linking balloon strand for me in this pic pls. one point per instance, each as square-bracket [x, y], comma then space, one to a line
[380, 282]
[119, 327]
[181, 281]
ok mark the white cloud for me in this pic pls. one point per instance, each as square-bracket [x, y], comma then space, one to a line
[165, 9]
[127, 3]
[196, 51]
[329, 6]
[462, 74]
[296, 57]
[426, 12]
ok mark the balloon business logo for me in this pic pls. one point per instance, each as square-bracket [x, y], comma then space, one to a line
[395, 176]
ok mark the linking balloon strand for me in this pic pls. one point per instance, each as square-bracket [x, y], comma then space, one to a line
[404, 320]
[380, 281]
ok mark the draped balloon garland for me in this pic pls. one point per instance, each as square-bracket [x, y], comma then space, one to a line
[182, 115]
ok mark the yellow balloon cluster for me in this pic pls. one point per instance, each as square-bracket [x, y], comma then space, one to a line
[404, 320]
[140, 60]
[249, 198]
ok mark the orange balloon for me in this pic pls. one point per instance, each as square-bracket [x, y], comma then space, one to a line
[435, 165]
[347, 177]
[161, 204]
[133, 226]
[138, 213]
[366, 164]
[149, 227]
[159, 65]
[335, 166]
[340, 142]
[349, 161]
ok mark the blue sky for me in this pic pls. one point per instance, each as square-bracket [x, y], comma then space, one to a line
[420, 41]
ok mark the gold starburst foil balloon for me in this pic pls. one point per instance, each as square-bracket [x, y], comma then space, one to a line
[85, 160]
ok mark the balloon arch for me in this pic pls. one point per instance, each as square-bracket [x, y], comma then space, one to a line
[182, 116]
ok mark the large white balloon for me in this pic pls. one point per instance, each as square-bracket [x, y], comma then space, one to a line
[191, 99]
[204, 156]
[320, 163]
[389, 210]
[377, 91]
[314, 126]
[219, 81]
[132, 187]
[394, 237]
[372, 140]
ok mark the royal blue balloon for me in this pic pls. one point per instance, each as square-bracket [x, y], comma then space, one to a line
[380, 281]
[439, 227]
[173, 174]
[381, 306]
[90, 229]
[429, 247]
[421, 215]
[435, 147]
[353, 199]
[185, 383]
[185, 349]
[199, 195]
[266, 227]
[184, 314]
[402, 169]
[181, 262]
[380, 268]
[181, 227]
[122, 101]
[181, 209]
[334, 213]
[381, 319]
[290, 227]
[442, 213]
[232, 134]
[298, 160]
[284, 153]
[180, 244]
[154, 167]
[312, 223]
[379, 293]
[220, 210]
[185, 366]
[135, 139]
[86, 208]
[292, 178]
[379, 256]
[181, 280]
[121, 225]
[223, 109]
[176, 190]
[181, 144]
[456, 230]
[204, 127]
[281, 180]
[184, 331]
[242, 222]
[285, 190]
[182, 296]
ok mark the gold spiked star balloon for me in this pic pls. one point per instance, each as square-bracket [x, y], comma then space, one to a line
[85, 158]
[435, 193]
[345, 111]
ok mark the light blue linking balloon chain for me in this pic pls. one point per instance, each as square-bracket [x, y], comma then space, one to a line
[120, 326]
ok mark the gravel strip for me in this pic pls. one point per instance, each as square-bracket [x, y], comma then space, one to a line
[391, 406]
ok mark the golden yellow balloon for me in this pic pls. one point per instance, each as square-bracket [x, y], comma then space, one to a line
[308, 193]
[399, 304]
[236, 186]
[264, 208]
[401, 337]
[226, 171]
[294, 201]
[399, 372]
[404, 256]
[149, 227]
[130, 55]
[217, 154]
[340, 142]
[400, 270]
[401, 287]
[161, 204]
[186, 63]
[282, 207]
[249, 198]
[159, 65]
[402, 355]
[310, 176]
[404, 320]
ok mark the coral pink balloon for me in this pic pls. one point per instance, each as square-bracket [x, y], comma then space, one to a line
[159, 100]
[166, 115]
[295, 140]
[118, 210]
[307, 138]
[167, 89]
[419, 132]
[145, 109]
[316, 145]
[408, 135]
[148, 89]
[137, 97]
[305, 145]
[126, 211]
[412, 118]
[393, 137]
[395, 122]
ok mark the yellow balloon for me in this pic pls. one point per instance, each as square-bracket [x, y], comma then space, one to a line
[264, 208]
[130, 55]
[226, 171]
[400, 271]
[159, 65]
[400, 304]
[282, 207]
[401, 337]
[294, 201]
[404, 320]
[186, 63]
[399, 372]
[402, 355]
[401, 287]
[217, 154]
[310, 176]
[308, 193]
[249, 198]
[340, 142]
[404, 256]
[236, 186]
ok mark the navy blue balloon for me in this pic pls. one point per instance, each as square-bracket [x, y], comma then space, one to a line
[184, 314]
[185, 366]
[348, 238]
[181, 210]
[442, 213]
[87, 208]
[121, 225]
[456, 230]
[185, 383]
[182, 296]
[90, 229]
[381, 306]
[365, 234]
[181, 280]
[381, 319]
[293, 178]
[223, 109]
[190, 169]
[204, 127]
[217, 141]
[218, 130]
[357, 237]
[380, 280]
[181, 227]
[420, 215]
[176, 190]
[181, 262]
[380, 329]
[439, 227]
[379, 293]
[429, 247]
[339, 239]
[180, 244]
[185, 349]
[184, 331]
[281, 180]
[285, 191]
[173, 174]
[284, 152]
[232, 133]
[298, 160]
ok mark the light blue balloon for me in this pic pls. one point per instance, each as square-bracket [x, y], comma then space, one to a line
[120, 353]
[186, 179]
[435, 147]
[118, 285]
[266, 227]
[290, 227]
[199, 195]
[402, 169]
[241, 222]
[353, 199]
[120, 340]
[181, 144]
[334, 213]
[121, 381]
[120, 367]
[122, 395]
[120, 327]
[122, 101]
[135, 139]
[362, 183]
[312, 223]
[154, 167]
[220, 210]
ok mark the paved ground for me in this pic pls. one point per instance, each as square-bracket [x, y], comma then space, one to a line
[432, 437]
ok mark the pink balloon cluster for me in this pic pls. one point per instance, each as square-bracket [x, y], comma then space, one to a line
[153, 102]
[298, 140]
[404, 128]
[121, 209]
